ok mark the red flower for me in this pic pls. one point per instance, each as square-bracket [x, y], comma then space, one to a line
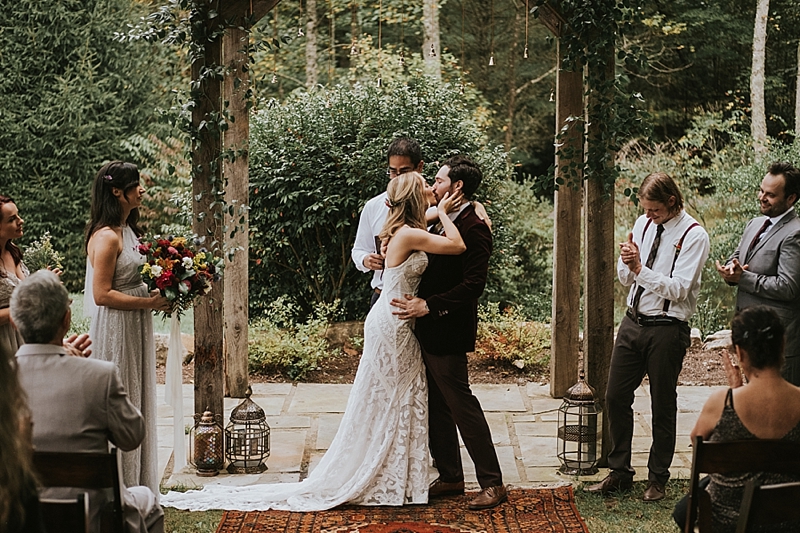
[172, 250]
[163, 243]
[165, 280]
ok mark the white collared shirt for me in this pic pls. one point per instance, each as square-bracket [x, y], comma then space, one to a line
[683, 287]
[373, 217]
[774, 221]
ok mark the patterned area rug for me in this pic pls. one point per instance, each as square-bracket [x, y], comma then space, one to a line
[527, 510]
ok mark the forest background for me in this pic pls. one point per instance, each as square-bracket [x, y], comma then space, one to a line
[81, 86]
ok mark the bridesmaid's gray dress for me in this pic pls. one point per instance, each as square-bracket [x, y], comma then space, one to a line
[126, 338]
[10, 339]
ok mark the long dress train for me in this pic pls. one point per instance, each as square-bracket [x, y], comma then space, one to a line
[380, 453]
[125, 337]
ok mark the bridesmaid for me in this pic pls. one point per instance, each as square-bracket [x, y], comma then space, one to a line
[12, 272]
[120, 304]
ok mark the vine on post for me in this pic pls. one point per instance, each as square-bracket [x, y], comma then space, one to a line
[589, 40]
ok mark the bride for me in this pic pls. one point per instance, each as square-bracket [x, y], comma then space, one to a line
[380, 453]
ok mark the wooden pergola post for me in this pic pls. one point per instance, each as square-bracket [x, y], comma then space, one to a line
[208, 359]
[235, 172]
[600, 259]
[209, 370]
[568, 204]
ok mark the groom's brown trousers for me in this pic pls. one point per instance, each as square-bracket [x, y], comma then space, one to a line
[451, 404]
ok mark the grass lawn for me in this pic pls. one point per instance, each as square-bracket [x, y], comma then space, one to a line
[626, 513]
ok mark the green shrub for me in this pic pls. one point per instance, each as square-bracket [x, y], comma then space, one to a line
[71, 94]
[279, 342]
[506, 335]
[316, 159]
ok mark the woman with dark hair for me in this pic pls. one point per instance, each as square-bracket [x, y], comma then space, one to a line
[12, 272]
[120, 305]
[19, 504]
[768, 407]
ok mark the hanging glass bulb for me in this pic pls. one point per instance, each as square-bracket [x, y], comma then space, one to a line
[432, 53]
[354, 49]
[525, 55]
[274, 78]
[380, 82]
[461, 88]
[300, 32]
[552, 92]
[402, 60]
[491, 60]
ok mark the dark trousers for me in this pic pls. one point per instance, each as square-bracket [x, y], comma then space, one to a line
[657, 351]
[374, 297]
[452, 405]
[682, 507]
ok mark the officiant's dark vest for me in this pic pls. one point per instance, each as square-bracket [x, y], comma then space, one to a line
[451, 285]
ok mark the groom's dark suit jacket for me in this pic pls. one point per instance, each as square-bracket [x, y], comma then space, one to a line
[451, 285]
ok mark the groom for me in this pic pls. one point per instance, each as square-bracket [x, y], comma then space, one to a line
[446, 310]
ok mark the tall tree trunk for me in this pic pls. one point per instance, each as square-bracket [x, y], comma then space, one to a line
[431, 49]
[512, 80]
[797, 99]
[759, 116]
[312, 72]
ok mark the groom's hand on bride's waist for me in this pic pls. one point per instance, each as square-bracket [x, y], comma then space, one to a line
[409, 307]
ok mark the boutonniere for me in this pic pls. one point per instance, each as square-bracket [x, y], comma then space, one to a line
[677, 248]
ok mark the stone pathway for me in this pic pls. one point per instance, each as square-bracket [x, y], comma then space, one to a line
[304, 417]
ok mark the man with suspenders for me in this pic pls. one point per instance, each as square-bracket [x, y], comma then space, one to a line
[661, 262]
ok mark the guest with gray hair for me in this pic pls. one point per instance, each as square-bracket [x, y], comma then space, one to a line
[76, 404]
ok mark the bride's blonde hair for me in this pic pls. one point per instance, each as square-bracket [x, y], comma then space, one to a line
[407, 204]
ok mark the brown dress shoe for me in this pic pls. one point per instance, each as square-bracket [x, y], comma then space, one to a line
[488, 498]
[441, 488]
[654, 492]
[610, 483]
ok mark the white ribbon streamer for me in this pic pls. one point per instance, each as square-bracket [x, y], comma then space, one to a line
[174, 392]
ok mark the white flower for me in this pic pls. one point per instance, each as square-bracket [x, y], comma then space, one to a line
[188, 262]
[156, 270]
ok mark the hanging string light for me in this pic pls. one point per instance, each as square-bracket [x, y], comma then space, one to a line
[402, 60]
[525, 54]
[300, 21]
[275, 50]
[380, 36]
[491, 36]
[461, 83]
[332, 61]
[432, 52]
[353, 45]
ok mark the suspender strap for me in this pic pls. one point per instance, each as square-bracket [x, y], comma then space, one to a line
[675, 258]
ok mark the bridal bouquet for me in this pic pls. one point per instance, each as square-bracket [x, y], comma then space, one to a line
[41, 254]
[180, 273]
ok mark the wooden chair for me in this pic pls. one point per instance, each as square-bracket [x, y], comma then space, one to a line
[768, 505]
[756, 455]
[66, 515]
[84, 471]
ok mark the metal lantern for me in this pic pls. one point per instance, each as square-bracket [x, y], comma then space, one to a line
[206, 443]
[247, 438]
[580, 430]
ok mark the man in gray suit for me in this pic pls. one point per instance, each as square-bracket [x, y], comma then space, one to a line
[766, 264]
[77, 404]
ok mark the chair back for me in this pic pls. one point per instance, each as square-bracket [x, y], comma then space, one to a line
[768, 505]
[84, 471]
[66, 515]
[738, 456]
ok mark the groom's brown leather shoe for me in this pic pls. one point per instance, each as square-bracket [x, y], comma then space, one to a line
[488, 498]
[441, 488]
[610, 483]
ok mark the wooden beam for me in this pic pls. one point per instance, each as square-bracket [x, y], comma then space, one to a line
[208, 356]
[234, 171]
[234, 10]
[551, 17]
[566, 241]
[599, 255]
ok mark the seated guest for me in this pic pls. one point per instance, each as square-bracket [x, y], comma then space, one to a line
[768, 407]
[77, 404]
[19, 506]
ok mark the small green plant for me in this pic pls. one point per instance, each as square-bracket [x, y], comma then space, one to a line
[506, 335]
[279, 343]
[41, 254]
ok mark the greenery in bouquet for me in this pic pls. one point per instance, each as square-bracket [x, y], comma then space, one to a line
[41, 254]
[178, 272]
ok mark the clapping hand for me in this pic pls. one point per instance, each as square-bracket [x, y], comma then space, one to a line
[629, 253]
[731, 272]
[732, 370]
[78, 345]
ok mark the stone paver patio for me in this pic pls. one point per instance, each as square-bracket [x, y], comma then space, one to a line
[304, 417]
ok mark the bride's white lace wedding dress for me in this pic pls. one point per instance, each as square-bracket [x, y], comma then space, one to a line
[380, 453]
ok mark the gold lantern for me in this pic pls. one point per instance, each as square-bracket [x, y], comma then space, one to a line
[247, 438]
[206, 441]
[580, 430]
